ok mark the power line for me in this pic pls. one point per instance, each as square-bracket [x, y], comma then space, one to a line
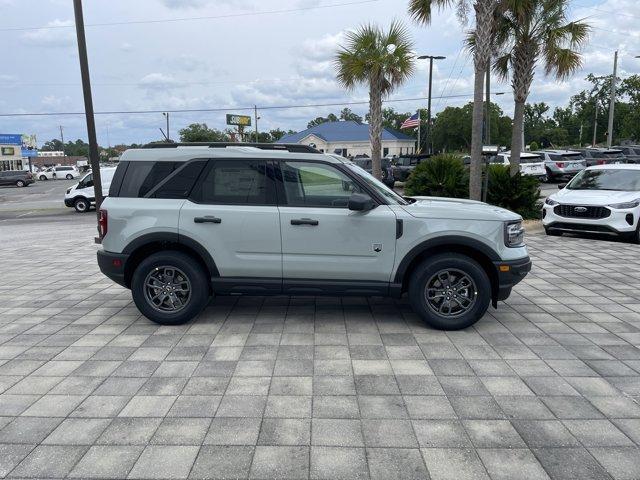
[448, 78]
[188, 19]
[225, 109]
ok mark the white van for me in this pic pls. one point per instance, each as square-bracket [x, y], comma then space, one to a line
[81, 197]
[68, 172]
[530, 164]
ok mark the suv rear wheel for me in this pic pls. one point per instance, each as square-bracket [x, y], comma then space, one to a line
[20, 183]
[169, 288]
[450, 291]
[69, 176]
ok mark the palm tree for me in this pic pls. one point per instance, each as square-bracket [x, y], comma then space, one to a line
[420, 10]
[382, 61]
[526, 31]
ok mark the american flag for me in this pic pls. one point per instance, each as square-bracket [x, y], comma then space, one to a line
[412, 122]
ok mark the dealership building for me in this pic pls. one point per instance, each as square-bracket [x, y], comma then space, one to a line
[16, 151]
[350, 138]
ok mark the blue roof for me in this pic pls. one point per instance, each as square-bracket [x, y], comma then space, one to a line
[346, 131]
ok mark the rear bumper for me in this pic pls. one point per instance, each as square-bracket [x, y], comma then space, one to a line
[112, 265]
[510, 273]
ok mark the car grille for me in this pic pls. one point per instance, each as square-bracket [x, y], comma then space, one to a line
[578, 211]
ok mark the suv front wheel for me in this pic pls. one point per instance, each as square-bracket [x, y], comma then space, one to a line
[169, 288]
[450, 291]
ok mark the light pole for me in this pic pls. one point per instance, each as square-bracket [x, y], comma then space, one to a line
[431, 59]
[612, 100]
[166, 115]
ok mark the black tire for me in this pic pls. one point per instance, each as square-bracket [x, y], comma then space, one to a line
[461, 265]
[20, 183]
[195, 275]
[81, 205]
[552, 233]
[43, 177]
[69, 176]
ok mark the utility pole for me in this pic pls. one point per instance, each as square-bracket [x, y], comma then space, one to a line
[255, 115]
[431, 59]
[595, 124]
[166, 135]
[94, 159]
[487, 109]
[580, 141]
[62, 138]
[612, 100]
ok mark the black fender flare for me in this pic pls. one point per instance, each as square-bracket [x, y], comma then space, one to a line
[445, 240]
[175, 238]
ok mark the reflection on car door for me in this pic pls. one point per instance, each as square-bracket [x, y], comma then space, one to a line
[321, 235]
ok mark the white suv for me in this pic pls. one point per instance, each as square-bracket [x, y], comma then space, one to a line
[603, 199]
[182, 223]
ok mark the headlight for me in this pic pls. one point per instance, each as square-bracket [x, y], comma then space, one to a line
[551, 202]
[632, 204]
[514, 234]
[68, 190]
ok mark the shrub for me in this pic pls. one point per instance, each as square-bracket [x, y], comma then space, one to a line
[533, 146]
[520, 193]
[442, 175]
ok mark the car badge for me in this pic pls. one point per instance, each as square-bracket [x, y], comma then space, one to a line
[580, 209]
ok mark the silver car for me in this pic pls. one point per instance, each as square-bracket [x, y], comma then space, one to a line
[562, 164]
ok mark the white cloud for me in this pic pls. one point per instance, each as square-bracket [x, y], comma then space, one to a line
[194, 4]
[60, 34]
[159, 80]
[126, 47]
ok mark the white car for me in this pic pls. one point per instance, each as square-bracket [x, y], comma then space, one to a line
[183, 223]
[81, 196]
[602, 199]
[530, 164]
[60, 172]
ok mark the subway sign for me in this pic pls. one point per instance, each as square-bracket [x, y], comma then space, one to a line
[240, 120]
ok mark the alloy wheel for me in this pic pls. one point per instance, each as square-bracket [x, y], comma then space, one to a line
[450, 293]
[167, 289]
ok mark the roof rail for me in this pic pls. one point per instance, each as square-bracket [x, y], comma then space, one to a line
[284, 147]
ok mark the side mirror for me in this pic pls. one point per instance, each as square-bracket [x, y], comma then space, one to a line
[561, 186]
[360, 202]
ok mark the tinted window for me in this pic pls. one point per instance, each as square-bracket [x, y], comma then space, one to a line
[235, 182]
[141, 177]
[180, 183]
[316, 185]
[64, 168]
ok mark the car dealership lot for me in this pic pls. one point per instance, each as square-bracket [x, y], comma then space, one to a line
[548, 385]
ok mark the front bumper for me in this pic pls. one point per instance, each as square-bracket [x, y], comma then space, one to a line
[112, 265]
[617, 223]
[510, 273]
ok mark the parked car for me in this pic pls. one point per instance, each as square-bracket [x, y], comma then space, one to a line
[531, 163]
[602, 199]
[366, 164]
[601, 156]
[182, 223]
[81, 196]
[404, 165]
[631, 153]
[64, 171]
[19, 178]
[562, 164]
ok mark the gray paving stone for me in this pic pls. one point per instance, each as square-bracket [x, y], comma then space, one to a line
[285, 406]
[107, 461]
[336, 406]
[12, 455]
[30, 430]
[194, 406]
[597, 433]
[129, 431]
[621, 462]
[233, 431]
[242, 406]
[285, 431]
[181, 431]
[429, 407]
[382, 406]
[493, 434]
[336, 432]
[453, 464]
[477, 408]
[344, 463]
[396, 463]
[102, 406]
[280, 462]
[544, 433]
[441, 434]
[247, 385]
[164, 461]
[512, 464]
[222, 462]
[148, 406]
[564, 463]
[49, 461]
[77, 431]
[389, 433]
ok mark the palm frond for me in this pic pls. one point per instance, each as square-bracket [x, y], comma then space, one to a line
[561, 62]
[421, 10]
[501, 66]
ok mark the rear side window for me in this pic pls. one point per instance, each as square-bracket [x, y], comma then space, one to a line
[142, 177]
[236, 182]
[180, 183]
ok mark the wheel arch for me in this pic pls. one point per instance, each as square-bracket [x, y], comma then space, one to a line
[143, 246]
[470, 247]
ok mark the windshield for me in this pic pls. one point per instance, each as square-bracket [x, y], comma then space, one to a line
[625, 180]
[391, 196]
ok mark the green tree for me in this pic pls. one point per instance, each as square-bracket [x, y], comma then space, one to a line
[526, 31]
[483, 32]
[347, 115]
[200, 132]
[319, 120]
[53, 145]
[382, 61]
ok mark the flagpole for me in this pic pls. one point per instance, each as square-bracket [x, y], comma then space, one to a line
[419, 122]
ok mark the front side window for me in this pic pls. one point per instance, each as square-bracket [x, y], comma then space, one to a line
[390, 196]
[235, 182]
[308, 184]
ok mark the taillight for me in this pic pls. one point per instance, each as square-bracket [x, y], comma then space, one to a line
[602, 162]
[29, 176]
[560, 164]
[102, 224]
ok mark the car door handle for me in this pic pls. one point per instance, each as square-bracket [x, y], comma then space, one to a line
[207, 219]
[304, 221]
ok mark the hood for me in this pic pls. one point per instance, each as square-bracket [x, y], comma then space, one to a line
[458, 208]
[593, 197]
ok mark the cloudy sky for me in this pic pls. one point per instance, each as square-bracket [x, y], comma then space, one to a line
[228, 54]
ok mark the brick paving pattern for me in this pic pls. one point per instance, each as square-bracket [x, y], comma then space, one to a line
[547, 386]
